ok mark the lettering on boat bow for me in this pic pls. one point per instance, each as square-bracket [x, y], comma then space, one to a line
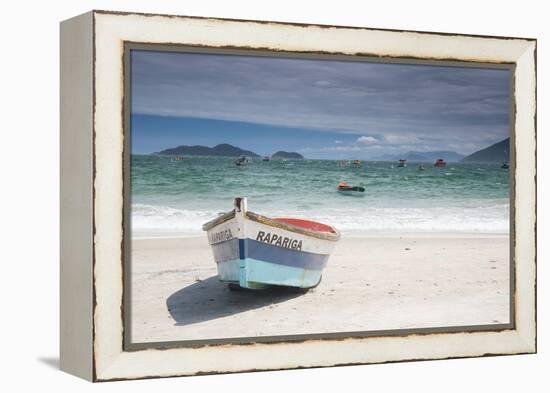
[279, 241]
[222, 236]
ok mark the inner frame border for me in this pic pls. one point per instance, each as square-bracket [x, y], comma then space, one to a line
[129, 46]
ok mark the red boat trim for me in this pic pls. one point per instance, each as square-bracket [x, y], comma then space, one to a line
[332, 235]
[322, 231]
[307, 224]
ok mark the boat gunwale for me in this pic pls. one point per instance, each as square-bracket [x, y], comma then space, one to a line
[218, 220]
[332, 236]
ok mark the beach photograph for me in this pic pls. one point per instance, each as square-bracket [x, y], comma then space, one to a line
[274, 197]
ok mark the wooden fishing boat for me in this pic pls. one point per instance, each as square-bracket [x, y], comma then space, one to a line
[402, 164]
[440, 163]
[256, 252]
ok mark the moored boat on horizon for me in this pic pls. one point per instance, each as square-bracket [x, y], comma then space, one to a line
[344, 164]
[241, 161]
[440, 163]
[402, 164]
[256, 252]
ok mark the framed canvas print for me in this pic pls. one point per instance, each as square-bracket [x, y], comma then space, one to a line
[246, 195]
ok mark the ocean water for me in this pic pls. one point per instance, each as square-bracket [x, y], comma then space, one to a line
[177, 197]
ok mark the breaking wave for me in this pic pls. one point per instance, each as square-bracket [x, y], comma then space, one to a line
[486, 219]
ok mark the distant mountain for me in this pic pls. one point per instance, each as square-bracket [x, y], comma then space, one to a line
[414, 156]
[429, 156]
[223, 150]
[288, 155]
[383, 157]
[424, 156]
[499, 152]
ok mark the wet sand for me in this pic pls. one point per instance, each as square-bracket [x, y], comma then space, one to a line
[384, 283]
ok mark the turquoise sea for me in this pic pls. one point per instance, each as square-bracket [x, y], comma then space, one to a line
[177, 197]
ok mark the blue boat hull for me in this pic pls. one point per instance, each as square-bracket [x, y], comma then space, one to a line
[253, 264]
[256, 274]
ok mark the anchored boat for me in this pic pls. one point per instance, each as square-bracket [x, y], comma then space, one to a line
[241, 161]
[440, 163]
[346, 189]
[256, 252]
[344, 164]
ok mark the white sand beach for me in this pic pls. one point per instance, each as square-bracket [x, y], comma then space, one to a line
[415, 281]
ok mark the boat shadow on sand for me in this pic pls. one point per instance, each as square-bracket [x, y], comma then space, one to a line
[211, 299]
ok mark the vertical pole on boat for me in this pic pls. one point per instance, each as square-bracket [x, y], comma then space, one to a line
[240, 211]
[240, 204]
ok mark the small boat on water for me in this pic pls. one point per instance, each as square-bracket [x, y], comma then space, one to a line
[440, 163]
[505, 165]
[344, 164]
[266, 158]
[402, 164]
[256, 252]
[421, 167]
[241, 161]
[356, 162]
[177, 158]
[346, 189]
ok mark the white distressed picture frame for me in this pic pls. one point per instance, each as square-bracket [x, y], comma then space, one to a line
[92, 174]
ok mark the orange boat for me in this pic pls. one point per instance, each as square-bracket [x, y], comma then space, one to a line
[345, 188]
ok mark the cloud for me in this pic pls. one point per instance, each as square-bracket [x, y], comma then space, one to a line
[322, 83]
[338, 149]
[401, 139]
[404, 103]
[369, 140]
[338, 142]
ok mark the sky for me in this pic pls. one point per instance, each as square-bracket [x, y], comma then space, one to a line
[319, 108]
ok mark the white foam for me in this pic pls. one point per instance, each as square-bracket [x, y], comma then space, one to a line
[492, 219]
[163, 220]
